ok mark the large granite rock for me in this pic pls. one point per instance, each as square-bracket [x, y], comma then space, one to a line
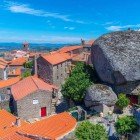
[116, 57]
[100, 94]
[137, 115]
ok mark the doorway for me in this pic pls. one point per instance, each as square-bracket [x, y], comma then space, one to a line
[43, 112]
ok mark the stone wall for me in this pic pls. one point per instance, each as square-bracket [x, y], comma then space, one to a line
[3, 74]
[4, 98]
[45, 70]
[60, 72]
[25, 108]
[54, 74]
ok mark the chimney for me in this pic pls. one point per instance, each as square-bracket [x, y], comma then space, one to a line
[18, 123]
[35, 65]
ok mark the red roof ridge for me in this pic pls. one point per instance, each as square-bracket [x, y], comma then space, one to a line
[34, 82]
[31, 84]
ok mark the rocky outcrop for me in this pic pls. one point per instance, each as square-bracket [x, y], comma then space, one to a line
[100, 94]
[137, 115]
[116, 58]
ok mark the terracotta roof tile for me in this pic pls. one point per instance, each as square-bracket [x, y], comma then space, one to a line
[9, 82]
[15, 72]
[16, 136]
[3, 61]
[2, 66]
[56, 58]
[54, 127]
[7, 123]
[90, 42]
[18, 61]
[69, 48]
[28, 86]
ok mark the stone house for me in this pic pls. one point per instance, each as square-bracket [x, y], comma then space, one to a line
[5, 86]
[55, 127]
[16, 66]
[54, 68]
[3, 69]
[72, 50]
[33, 98]
[87, 45]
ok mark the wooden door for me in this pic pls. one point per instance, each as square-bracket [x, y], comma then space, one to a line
[43, 112]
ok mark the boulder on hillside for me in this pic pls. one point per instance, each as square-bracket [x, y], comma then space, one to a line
[100, 94]
[137, 115]
[116, 58]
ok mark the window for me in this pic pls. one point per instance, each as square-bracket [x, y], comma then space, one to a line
[35, 101]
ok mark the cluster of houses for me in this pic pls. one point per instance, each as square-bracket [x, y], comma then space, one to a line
[35, 97]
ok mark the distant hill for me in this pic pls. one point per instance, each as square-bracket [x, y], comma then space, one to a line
[33, 46]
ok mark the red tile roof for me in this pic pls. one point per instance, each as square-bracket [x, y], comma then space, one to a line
[69, 48]
[56, 58]
[7, 123]
[15, 72]
[2, 66]
[54, 127]
[3, 63]
[90, 42]
[18, 61]
[16, 136]
[9, 82]
[28, 86]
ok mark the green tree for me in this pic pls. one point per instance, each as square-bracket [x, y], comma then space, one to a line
[125, 125]
[89, 131]
[75, 86]
[28, 64]
[123, 101]
[27, 73]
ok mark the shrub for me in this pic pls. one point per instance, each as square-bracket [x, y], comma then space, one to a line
[27, 73]
[126, 125]
[123, 101]
[89, 131]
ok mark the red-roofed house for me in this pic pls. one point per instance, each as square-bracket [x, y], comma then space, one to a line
[71, 49]
[54, 127]
[5, 86]
[54, 67]
[32, 98]
[87, 45]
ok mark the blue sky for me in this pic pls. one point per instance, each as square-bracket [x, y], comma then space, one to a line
[58, 21]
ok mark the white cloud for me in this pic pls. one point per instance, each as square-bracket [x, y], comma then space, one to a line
[24, 8]
[118, 28]
[69, 28]
[15, 7]
[114, 28]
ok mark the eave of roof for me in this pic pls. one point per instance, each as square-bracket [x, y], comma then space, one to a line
[29, 85]
[9, 82]
[56, 58]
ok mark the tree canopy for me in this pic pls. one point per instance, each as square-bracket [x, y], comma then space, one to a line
[28, 64]
[76, 85]
[125, 125]
[89, 131]
[27, 73]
